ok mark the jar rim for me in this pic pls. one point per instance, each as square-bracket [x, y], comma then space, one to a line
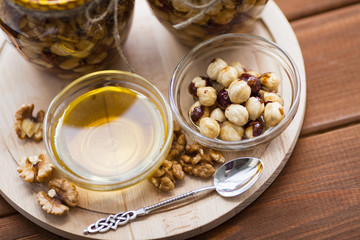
[50, 5]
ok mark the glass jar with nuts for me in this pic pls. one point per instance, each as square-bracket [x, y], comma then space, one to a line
[67, 38]
[193, 21]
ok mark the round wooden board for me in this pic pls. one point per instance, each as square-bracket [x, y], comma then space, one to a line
[154, 53]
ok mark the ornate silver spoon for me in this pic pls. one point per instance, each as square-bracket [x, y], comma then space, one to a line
[231, 179]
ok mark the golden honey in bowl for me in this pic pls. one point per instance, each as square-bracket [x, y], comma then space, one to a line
[105, 134]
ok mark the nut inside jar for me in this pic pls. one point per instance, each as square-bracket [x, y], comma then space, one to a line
[67, 39]
[193, 21]
[246, 105]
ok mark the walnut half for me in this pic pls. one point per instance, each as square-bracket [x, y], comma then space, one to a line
[27, 126]
[164, 177]
[36, 168]
[66, 191]
[199, 160]
[61, 192]
[51, 204]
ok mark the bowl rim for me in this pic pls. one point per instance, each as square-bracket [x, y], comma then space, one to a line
[93, 184]
[246, 143]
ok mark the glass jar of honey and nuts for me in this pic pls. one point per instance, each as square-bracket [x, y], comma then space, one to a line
[67, 37]
[193, 21]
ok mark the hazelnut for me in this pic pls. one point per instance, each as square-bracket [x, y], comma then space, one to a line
[217, 86]
[223, 99]
[198, 111]
[198, 82]
[227, 75]
[181, 6]
[215, 9]
[245, 5]
[255, 107]
[252, 72]
[253, 82]
[229, 4]
[207, 95]
[231, 132]
[273, 113]
[225, 16]
[215, 67]
[209, 127]
[237, 114]
[239, 91]
[201, 20]
[272, 97]
[254, 129]
[218, 115]
[270, 81]
[261, 94]
[239, 67]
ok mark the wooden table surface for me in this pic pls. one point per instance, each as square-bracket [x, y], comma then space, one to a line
[317, 195]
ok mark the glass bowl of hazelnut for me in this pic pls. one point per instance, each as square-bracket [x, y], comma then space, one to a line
[235, 91]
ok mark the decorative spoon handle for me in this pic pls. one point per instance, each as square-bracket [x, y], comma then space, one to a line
[113, 221]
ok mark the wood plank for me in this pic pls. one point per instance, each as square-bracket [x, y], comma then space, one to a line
[18, 227]
[295, 9]
[325, 205]
[330, 45]
[42, 236]
[5, 208]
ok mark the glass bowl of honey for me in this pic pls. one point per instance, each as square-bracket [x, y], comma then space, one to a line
[108, 130]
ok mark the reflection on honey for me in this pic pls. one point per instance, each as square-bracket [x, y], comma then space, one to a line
[107, 134]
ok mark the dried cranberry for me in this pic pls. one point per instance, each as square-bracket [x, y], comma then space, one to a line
[223, 99]
[253, 82]
[197, 113]
[193, 88]
[257, 129]
[257, 126]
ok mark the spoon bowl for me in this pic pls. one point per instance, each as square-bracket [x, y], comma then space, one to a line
[237, 176]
